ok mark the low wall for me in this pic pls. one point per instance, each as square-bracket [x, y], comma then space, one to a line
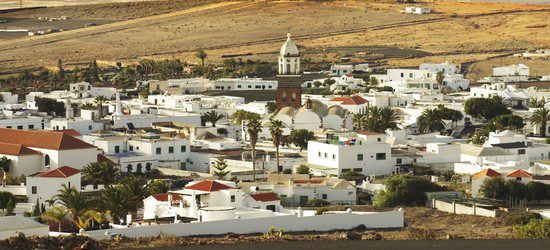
[290, 223]
[457, 208]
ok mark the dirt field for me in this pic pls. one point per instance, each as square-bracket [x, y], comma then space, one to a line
[327, 31]
[8, 4]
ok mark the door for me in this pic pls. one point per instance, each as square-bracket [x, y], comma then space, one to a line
[271, 207]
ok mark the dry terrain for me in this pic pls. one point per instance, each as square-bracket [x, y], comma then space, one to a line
[326, 31]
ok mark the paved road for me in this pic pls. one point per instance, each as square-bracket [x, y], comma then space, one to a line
[397, 244]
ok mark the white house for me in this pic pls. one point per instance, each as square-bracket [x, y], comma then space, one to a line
[475, 159]
[364, 152]
[42, 186]
[512, 70]
[354, 104]
[518, 144]
[9, 98]
[445, 67]
[33, 151]
[85, 89]
[244, 83]
[344, 69]
[417, 10]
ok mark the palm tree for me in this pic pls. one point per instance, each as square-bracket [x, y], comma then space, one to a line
[82, 221]
[253, 128]
[541, 117]
[87, 106]
[100, 100]
[98, 217]
[276, 131]
[76, 202]
[201, 54]
[389, 119]
[212, 117]
[100, 173]
[536, 103]
[115, 199]
[137, 190]
[56, 214]
[430, 121]
[358, 120]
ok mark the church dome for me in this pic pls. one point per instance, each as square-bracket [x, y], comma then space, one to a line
[289, 48]
[337, 110]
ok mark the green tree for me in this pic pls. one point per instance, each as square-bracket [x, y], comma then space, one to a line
[517, 189]
[60, 71]
[509, 121]
[50, 106]
[486, 108]
[158, 186]
[357, 121]
[300, 137]
[449, 114]
[377, 120]
[219, 168]
[535, 229]
[5, 164]
[94, 71]
[5, 199]
[253, 128]
[302, 169]
[494, 188]
[100, 173]
[56, 214]
[536, 103]
[353, 176]
[75, 201]
[541, 117]
[430, 121]
[241, 115]
[137, 190]
[99, 100]
[276, 131]
[373, 81]
[201, 54]
[213, 117]
[117, 200]
[271, 107]
[439, 77]
[328, 81]
[402, 190]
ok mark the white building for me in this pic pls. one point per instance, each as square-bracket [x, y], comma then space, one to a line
[33, 151]
[417, 10]
[85, 90]
[364, 152]
[9, 98]
[313, 116]
[344, 69]
[143, 152]
[518, 144]
[475, 159]
[244, 83]
[512, 70]
[445, 67]
[42, 186]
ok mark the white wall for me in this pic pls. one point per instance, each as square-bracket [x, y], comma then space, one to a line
[290, 223]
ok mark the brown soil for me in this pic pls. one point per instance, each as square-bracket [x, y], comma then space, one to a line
[458, 32]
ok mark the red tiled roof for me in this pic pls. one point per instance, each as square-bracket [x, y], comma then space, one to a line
[164, 197]
[208, 186]
[364, 132]
[42, 139]
[70, 132]
[265, 197]
[16, 149]
[62, 172]
[486, 172]
[103, 159]
[350, 100]
[519, 173]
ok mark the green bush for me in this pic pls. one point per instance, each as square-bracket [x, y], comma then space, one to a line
[520, 217]
[406, 191]
[322, 210]
[317, 203]
[535, 229]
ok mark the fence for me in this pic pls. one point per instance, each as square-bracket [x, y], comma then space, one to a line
[290, 223]
[457, 208]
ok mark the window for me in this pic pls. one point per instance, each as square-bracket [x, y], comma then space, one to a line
[46, 160]
[238, 86]
[183, 165]
[139, 168]
[410, 75]
[31, 126]
[10, 127]
[358, 170]
[359, 157]
[129, 168]
[324, 196]
[333, 156]
[379, 139]
[381, 156]
[34, 189]
[399, 161]
[170, 150]
[117, 149]
[232, 198]
[319, 154]
[521, 151]
[402, 74]
[90, 128]
[183, 149]
[148, 166]
[19, 127]
[326, 155]
[159, 151]
[130, 148]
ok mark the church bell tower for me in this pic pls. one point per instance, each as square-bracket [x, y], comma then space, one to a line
[289, 89]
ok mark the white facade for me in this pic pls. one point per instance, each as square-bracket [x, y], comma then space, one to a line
[289, 58]
[21, 122]
[417, 10]
[343, 69]
[445, 67]
[42, 187]
[512, 70]
[82, 126]
[85, 89]
[244, 84]
[365, 153]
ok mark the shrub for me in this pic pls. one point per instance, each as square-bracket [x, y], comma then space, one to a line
[520, 217]
[317, 203]
[405, 191]
[321, 210]
[287, 171]
[535, 229]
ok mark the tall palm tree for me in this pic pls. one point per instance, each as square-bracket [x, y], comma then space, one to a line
[389, 119]
[276, 131]
[358, 120]
[253, 128]
[86, 106]
[212, 117]
[430, 120]
[137, 190]
[99, 100]
[76, 202]
[98, 217]
[115, 199]
[201, 54]
[541, 117]
[56, 214]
